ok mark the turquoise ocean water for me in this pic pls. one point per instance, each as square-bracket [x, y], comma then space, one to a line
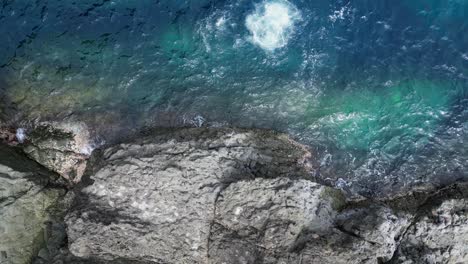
[378, 89]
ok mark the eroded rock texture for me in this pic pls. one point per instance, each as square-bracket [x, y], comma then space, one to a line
[439, 232]
[28, 207]
[238, 196]
[157, 199]
[60, 147]
[212, 196]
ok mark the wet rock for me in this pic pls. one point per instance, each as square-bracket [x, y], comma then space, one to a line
[9, 136]
[61, 147]
[28, 204]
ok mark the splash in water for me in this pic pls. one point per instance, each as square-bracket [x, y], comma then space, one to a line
[20, 135]
[272, 24]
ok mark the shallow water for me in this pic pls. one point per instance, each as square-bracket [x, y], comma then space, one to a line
[377, 89]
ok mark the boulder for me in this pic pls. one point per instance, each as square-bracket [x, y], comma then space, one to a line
[155, 199]
[60, 147]
[29, 204]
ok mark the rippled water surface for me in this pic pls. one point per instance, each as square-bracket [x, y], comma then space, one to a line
[378, 89]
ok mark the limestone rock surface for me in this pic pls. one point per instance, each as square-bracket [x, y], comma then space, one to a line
[439, 234]
[156, 199]
[60, 147]
[246, 196]
[28, 201]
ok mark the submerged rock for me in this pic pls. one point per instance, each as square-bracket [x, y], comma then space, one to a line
[29, 203]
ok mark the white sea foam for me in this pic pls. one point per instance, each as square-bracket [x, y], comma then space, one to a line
[20, 135]
[342, 14]
[272, 24]
[87, 150]
[465, 56]
[221, 22]
[89, 147]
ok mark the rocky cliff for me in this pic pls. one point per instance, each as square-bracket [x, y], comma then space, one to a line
[219, 196]
[30, 207]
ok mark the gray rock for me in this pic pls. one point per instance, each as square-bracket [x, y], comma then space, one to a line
[243, 196]
[264, 219]
[28, 203]
[155, 200]
[60, 147]
[439, 234]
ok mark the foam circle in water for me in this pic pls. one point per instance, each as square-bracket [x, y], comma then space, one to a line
[272, 24]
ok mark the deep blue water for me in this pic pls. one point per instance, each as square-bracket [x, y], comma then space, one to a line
[378, 89]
